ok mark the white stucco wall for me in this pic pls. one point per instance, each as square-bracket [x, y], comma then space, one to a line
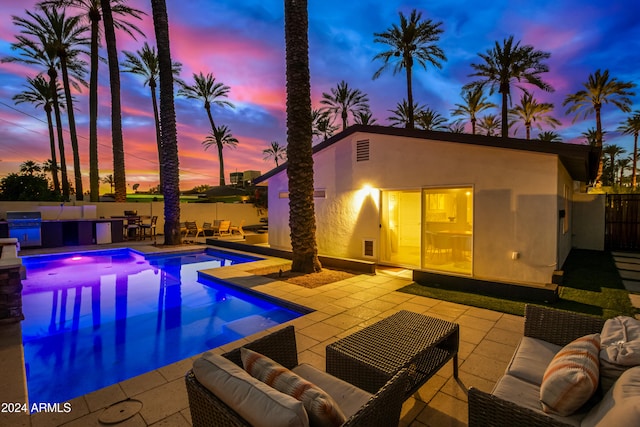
[589, 219]
[515, 195]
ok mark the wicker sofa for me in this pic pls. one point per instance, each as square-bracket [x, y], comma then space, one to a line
[370, 410]
[515, 401]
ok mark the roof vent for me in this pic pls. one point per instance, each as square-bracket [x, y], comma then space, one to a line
[362, 150]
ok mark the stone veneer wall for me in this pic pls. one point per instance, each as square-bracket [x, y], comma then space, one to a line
[10, 294]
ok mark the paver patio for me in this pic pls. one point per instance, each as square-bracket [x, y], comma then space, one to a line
[487, 340]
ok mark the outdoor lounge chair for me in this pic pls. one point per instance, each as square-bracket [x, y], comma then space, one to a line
[237, 228]
[192, 230]
[149, 229]
[223, 228]
[208, 408]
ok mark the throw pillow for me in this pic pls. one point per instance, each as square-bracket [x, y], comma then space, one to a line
[620, 348]
[572, 376]
[323, 411]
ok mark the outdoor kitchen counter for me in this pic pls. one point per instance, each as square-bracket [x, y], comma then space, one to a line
[74, 232]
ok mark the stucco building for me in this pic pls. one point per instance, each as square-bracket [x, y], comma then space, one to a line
[481, 207]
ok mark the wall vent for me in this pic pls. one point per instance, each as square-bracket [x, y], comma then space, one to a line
[368, 248]
[362, 150]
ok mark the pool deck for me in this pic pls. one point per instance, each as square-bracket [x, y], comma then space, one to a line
[487, 341]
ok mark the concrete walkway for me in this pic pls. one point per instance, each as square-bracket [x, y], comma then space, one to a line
[487, 341]
[628, 264]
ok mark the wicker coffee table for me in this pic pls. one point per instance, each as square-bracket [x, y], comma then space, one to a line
[371, 356]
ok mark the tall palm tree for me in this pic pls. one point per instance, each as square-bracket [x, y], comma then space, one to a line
[65, 36]
[220, 137]
[109, 25]
[490, 124]
[170, 162]
[302, 221]
[505, 64]
[343, 101]
[413, 41]
[612, 151]
[532, 113]
[275, 151]
[600, 89]
[402, 113]
[30, 168]
[474, 103]
[51, 167]
[40, 52]
[631, 126]
[38, 93]
[144, 63]
[207, 90]
[429, 119]
[591, 136]
[91, 11]
[109, 180]
[364, 118]
[549, 136]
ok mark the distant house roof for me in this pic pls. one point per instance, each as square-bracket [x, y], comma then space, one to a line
[581, 161]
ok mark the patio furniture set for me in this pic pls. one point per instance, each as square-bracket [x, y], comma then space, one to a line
[370, 373]
[190, 229]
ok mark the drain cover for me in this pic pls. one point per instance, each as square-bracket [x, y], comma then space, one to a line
[120, 411]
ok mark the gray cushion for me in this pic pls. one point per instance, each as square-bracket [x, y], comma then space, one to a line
[527, 395]
[252, 399]
[531, 359]
[349, 397]
[621, 405]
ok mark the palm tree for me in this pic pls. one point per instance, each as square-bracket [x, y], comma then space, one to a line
[508, 63]
[65, 37]
[631, 126]
[275, 152]
[302, 221]
[429, 119]
[221, 136]
[549, 136]
[612, 151]
[144, 63]
[51, 167]
[622, 165]
[207, 90]
[490, 124]
[402, 112]
[321, 124]
[364, 118]
[109, 180]
[344, 100]
[38, 93]
[30, 168]
[591, 136]
[474, 103]
[40, 52]
[532, 113]
[414, 40]
[598, 90]
[170, 163]
[456, 127]
[91, 10]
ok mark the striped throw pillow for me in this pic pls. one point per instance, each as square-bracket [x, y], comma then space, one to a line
[572, 376]
[323, 411]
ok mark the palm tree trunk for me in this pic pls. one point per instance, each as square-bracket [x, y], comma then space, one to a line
[52, 143]
[473, 125]
[94, 174]
[53, 76]
[635, 160]
[119, 175]
[411, 123]
[72, 130]
[505, 113]
[156, 118]
[169, 162]
[300, 160]
[598, 180]
[221, 160]
[528, 128]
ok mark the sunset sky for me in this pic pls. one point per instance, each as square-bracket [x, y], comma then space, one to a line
[242, 43]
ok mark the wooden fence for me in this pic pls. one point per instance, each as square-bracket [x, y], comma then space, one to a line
[622, 222]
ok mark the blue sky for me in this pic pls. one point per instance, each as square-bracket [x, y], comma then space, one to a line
[242, 44]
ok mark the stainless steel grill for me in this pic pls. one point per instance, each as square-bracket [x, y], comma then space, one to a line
[26, 227]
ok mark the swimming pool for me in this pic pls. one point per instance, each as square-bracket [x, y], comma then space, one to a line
[93, 319]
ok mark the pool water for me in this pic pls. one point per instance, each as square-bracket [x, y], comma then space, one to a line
[93, 319]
